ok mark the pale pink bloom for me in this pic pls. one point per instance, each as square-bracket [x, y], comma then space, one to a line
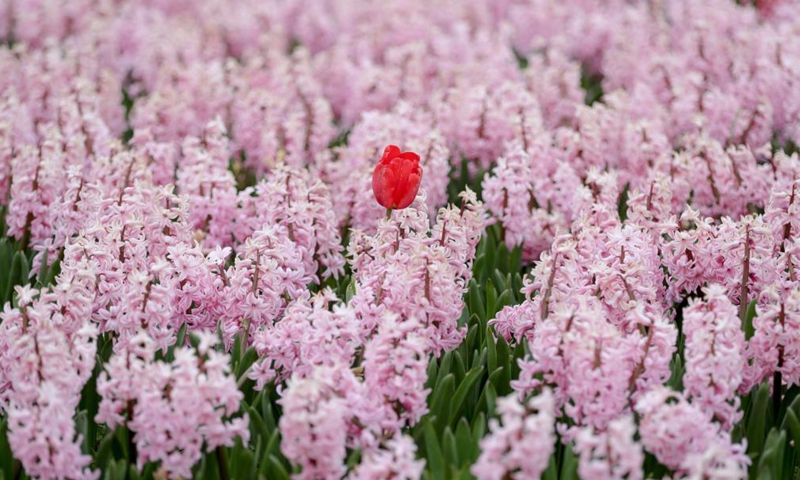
[311, 332]
[178, 410]
[302, 203]
[611, 453]
[203, 176]
[395, 460]
[520, 442]
[318, 421]
[714, 355]
[45, 364]
[680, 434]
[395, 369]
[773, 347]
[278, 112]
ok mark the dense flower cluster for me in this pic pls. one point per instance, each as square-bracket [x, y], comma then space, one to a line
[520, 443]
[46, 357]
[684, 438]
[599, 320]
[714, 353]
[357, 371]
[176, 409]
[186, 166]
[612, 453]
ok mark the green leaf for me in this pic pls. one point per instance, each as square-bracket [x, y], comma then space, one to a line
[6, 256]
[236, 353]
[103, 454]
[148, 470]
[495, 376]
[179, 342]
[481, 359]
[249, 358]
[749, 330]
[504, 300]
[133, 473]
[243, 463]
[6, 457]
[350, 292]
[257, 424]
[676, 376]
[108, 473]
[464, 442]
[465, 474]
[210, 467]
[491, 299]
[504, 359]
[433, 370]
[771, 460]
[120, 469]
[479, 267]
[491, 348]
[444, 369]
[450, 448]
[491, 257]
[552, 470]
[622, 209]
[43, 268]
[499, 281]
[501, 262]
[354, 458]
[515, 260]
[52, 272]
[756, 425]
[479, 427]
[461, 393]
[491, 398]
[111, 472]
[82, 429]
[435, 459]
[121, 435]
[791, 401]
[25, 269]
[793, 425]
[19, 270]
[459, 369]
[472, 334]
[440, 405]
[268, 414]
[89, 403]
[569, 467]
[3, 224]
[475, 301]
[519, 352]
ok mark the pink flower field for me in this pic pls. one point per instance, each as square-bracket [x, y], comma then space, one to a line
[400, 239]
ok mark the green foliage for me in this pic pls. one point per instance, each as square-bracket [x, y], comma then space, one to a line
[461, 178]
[522, 60]
[591, 83]
[466, 382]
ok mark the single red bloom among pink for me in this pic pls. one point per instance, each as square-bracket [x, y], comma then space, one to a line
[396, 178]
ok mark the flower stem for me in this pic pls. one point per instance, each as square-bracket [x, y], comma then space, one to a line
[388, 214]
[777, 392]
[222, 464]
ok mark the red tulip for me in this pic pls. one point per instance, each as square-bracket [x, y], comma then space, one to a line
[396, 178]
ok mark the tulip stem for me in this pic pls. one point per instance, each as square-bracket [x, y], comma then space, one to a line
[388, 214]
